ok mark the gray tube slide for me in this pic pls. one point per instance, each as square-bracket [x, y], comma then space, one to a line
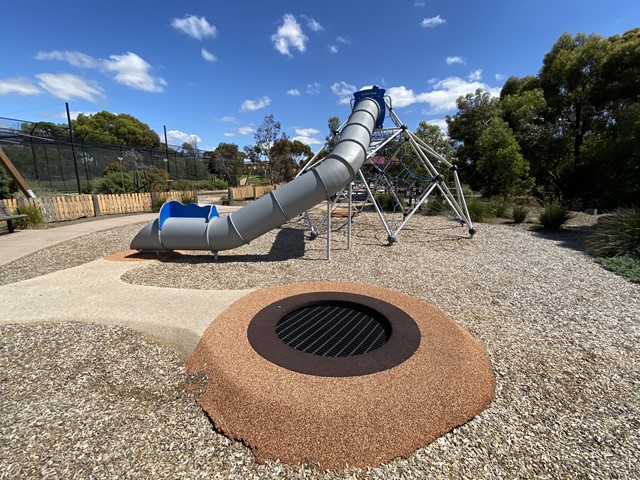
[281, 205]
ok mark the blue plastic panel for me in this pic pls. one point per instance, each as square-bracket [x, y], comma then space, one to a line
[175, 209]
[214, 212]
[376, 94]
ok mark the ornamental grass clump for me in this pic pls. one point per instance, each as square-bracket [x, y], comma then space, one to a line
[477, 210]
[32, 220]
[519, 214]
[554, 216]
[617, 234]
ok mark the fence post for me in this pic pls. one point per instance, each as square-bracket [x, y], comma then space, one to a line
[230, 195]
[96, 205]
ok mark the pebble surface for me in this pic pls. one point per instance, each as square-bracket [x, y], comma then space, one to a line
[562, 333]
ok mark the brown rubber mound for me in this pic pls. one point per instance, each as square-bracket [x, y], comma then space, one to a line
[361, 420]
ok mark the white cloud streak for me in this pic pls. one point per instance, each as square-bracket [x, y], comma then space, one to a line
[313, 25]
[432, 22]
[207, 55]
[128, 69]
[68, 86]
[313, 88]
[343, 90]
[289, 36]
[332, 48]
[133, 71]
[176, 136]
[196, 27]
[19, 86]
[294, 92]
[72, 57]
[455, 60]
[253, 105]
[443, 96]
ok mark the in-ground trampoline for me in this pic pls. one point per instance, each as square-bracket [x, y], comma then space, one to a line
[339, 373]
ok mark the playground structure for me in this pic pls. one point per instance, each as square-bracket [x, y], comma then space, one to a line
[352, 155]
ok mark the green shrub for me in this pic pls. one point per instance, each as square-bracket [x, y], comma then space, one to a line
[113, 167]
[155, 179]
[115, 182]
[519, 214]
[497, 208]
[617, 234]
[433, 208]
[554, 216]
[385, 200]
[182, 185]
[187, 198]
[156, 204]
[477, 210]
[33, 219]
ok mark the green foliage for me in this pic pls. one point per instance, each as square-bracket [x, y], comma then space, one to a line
[519, 214]
[554, 216]
[387, 201]
[617, 234]
[501, 166]
[7, 186]
[155, 179]
[114, 183]
[497, 207]
[113, 167]
[182, 186]
[627, 265]
[33, 219]
[477, 210]
[213, 184]
[433, 136]
[187, 198]
[109, 128]
[227, 161]
[433, 208]
[156, 203]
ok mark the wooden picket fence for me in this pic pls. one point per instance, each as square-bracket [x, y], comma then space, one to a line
[250, 191]
[70, 207]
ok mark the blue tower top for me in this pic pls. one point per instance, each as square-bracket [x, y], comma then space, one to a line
[376, 94]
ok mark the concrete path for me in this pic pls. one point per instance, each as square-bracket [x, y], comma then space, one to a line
[94, 293]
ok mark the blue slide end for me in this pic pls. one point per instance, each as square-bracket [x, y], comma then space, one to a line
[176, 209]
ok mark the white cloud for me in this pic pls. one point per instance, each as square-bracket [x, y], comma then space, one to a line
[441, 123]
[207, 55]
[253, 105]
[432, 22]
[196, 27]
[307, 132]
[132, 71]
[313, 88]
[455, 60]
[294, 92]
[229, 134]
[443, 96]
[308, 140]
[289, 35]
[246, 130]
[499, 76]
[176, 136]
[229, 119]
[68, 86]
[419, 3]
[344, 90]
[313, 25]
[332, 48]
[129, 69]
[344, 40]
[19, 86]
[475, 76]
[75, 58]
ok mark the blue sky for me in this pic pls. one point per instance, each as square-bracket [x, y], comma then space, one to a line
[211, 71]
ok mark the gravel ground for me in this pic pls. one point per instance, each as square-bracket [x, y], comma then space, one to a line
[82, 401]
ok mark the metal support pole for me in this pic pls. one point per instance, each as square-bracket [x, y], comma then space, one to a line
[166, 148]
[329, 208]
[349, 216]
[73, 148]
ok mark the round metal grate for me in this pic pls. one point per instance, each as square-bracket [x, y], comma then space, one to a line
[333, 329]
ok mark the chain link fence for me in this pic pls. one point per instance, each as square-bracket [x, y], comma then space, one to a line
[54, 164]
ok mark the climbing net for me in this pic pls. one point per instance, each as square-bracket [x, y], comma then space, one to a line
[401, 174]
